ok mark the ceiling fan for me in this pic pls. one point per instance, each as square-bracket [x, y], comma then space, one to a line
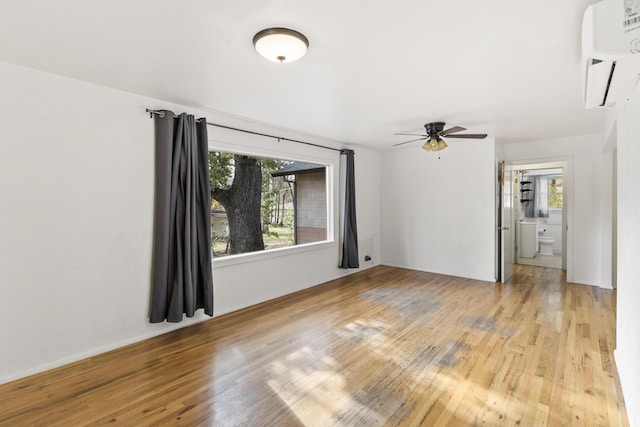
[435, 132]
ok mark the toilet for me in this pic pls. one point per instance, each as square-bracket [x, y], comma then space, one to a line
[545, 244]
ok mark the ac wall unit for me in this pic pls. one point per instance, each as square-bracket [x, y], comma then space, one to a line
[610, 52]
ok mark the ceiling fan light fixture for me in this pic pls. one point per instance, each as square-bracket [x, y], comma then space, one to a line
[441, 145]
[434, 143]
[281, 44]
[434, 133]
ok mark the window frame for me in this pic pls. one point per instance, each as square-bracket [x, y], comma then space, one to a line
[549, 193]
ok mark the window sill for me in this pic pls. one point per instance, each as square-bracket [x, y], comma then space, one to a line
[249, 257]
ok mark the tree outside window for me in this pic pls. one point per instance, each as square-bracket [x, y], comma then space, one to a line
[555, 192]
[263, 203]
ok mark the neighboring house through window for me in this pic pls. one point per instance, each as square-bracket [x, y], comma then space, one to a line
[310, 200]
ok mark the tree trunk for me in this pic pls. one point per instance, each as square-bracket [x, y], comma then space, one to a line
[242, 204]
[277, 210]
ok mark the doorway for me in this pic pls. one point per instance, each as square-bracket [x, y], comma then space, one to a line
[540, 214]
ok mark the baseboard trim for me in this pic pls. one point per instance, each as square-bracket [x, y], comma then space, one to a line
[162, 328]
[444, 273]
[166, 328]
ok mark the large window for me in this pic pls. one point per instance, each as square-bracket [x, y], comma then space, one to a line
[555, 192]
[263, 203]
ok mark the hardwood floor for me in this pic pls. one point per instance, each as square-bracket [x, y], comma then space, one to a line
[386, 346]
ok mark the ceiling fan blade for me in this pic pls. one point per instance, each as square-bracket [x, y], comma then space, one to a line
[469, 136]
[412, 134]
[451, 130]
[406, 142]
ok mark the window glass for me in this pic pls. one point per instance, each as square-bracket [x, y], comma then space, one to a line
[262, 203]
[555, 192]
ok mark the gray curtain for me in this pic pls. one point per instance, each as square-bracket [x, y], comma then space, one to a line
[539, 205]
[350, 228]
[181, 277]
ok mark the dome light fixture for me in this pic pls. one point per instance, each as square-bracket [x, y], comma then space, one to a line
[280, 44]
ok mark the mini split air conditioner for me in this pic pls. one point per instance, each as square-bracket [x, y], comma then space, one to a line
[610, 52]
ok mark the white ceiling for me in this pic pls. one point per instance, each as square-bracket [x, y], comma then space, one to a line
[374, 68]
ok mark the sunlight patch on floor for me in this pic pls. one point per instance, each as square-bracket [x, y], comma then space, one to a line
[487, 407]
[360, 331]
[310, 386]
[373, 335]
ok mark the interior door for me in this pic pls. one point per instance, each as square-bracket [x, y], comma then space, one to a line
[505, 221]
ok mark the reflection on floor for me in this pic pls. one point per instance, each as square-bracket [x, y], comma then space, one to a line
[552, 261]
[381, 347]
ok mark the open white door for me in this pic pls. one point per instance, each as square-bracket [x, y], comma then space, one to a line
[505, 222]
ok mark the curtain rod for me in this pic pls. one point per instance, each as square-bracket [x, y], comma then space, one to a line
[279, 138]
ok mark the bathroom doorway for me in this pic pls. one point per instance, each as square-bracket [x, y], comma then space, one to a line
[540, 214]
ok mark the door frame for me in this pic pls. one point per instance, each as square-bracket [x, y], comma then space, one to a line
[566, 163]
[504, 226]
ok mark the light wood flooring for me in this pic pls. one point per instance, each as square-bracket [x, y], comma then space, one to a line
[385, 346]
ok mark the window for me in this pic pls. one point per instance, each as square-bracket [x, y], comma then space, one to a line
[555, 192]
[262, 203]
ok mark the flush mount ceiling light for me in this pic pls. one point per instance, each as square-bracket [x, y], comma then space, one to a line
[281, 44]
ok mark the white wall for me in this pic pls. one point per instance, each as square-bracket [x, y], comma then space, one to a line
[627, 352]
[438, 215]
[76, 185]
[589, 220]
